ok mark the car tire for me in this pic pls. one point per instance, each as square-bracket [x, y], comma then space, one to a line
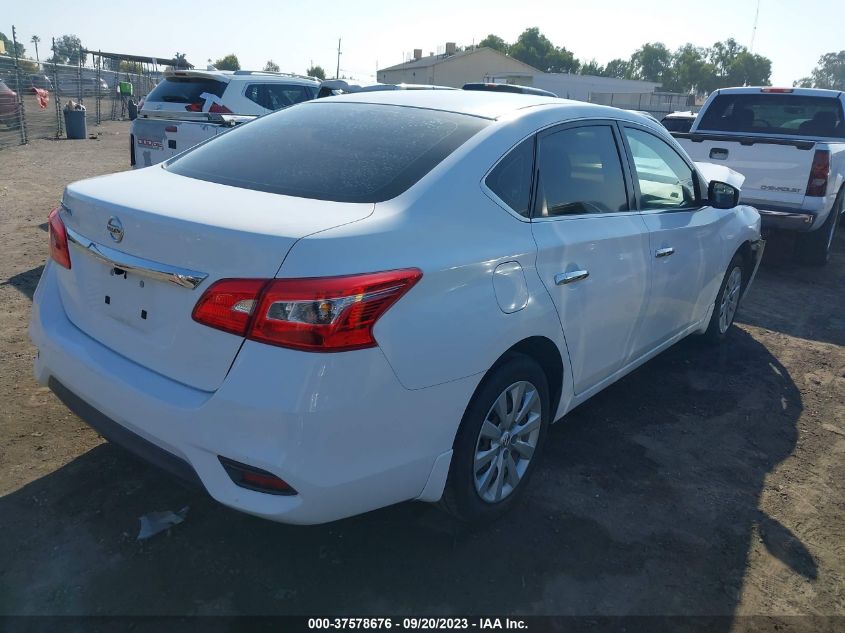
[727, 300]
[498, 444]
[814, 248]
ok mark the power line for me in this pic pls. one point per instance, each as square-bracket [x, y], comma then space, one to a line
[754, 31]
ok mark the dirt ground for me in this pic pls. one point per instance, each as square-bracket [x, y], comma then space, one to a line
[708, 482]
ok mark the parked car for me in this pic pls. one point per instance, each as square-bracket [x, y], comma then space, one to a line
[379, 297]
[790, 145]
[493, 87]
[42, 82]
[71, 86]
[185, 108]
[678, 121]
[9, 106]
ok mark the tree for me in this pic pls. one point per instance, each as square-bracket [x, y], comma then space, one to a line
[230, 62]
[829, 73]
[691, 72]
[651, 62]
[618, 68]
[535, 49]
[36, 41]
[271, 66]
[180, 60]
[66, 50]
[495, 42]
[591, 67]
[316, 71]
[10, 46]
[734, 65]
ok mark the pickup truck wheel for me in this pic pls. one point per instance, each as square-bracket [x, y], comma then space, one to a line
[727, 301]
[814, 248]
[499, 441]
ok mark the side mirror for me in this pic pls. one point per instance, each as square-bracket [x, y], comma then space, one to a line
[721, 195]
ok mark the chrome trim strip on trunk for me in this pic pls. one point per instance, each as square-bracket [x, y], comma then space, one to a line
[145, 267]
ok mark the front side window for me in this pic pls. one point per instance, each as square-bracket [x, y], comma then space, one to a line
[510, 180]
[580, 172]
[665, 179]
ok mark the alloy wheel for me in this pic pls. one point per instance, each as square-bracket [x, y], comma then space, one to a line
[507, 441]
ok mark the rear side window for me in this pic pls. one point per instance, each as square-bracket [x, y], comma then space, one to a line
[510, 180]
[185, 89]
[580, 172]
[345, 152]
[777, 114]
[278, 96]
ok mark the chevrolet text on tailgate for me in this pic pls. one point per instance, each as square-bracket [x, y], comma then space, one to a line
[386, 296]
[789, 143]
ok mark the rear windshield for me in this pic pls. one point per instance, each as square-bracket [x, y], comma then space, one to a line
[185, 89]
[346, 152]
[776, 114]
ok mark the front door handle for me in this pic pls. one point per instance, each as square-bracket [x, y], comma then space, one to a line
[664, 252]
[568, 278]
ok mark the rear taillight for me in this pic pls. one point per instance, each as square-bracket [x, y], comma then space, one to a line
[59, 250]
[219, 109]
[228, 304]
[319, 314]
[194, 107]
[819, 173]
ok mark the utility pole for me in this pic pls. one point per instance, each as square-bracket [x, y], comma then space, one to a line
[337, 73]
[754, 31]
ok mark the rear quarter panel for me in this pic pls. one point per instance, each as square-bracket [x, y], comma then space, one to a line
[450, 325]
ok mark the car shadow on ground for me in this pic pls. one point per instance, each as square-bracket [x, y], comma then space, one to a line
[25, 282]
[646, 502]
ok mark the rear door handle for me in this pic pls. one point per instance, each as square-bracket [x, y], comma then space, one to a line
[568, 278]
[664, 252]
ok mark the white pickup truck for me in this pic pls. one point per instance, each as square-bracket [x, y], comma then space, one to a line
[789, 143]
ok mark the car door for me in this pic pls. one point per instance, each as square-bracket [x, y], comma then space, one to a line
[593, 249]
[684, 238]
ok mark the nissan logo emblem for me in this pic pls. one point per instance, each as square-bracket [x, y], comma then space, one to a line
[115, 229]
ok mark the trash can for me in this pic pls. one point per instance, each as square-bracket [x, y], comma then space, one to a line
[75, 124]
[132, 108]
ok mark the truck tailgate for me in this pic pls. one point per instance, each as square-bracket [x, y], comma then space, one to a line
[776, 172]
[156, 140]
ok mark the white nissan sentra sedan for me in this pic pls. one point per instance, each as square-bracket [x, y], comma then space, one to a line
[381, 297]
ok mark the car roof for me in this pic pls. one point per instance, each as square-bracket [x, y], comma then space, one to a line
[807, 92]
[487, 105]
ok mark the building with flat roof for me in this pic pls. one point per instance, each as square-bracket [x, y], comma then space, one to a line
[455, 68]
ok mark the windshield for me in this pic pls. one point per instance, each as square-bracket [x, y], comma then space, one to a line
[185, 89]
[776, 114]
[345, 152]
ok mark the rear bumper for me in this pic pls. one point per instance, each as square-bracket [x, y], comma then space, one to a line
[339, 428]
[782, 219]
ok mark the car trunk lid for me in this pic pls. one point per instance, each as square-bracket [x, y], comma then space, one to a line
[140, 238]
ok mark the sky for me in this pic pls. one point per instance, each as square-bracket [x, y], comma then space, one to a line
[379, 33]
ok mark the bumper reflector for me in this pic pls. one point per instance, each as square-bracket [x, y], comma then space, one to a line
[256, 479]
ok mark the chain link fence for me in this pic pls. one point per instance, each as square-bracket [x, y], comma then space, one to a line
[658, 104]
[33, 94]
